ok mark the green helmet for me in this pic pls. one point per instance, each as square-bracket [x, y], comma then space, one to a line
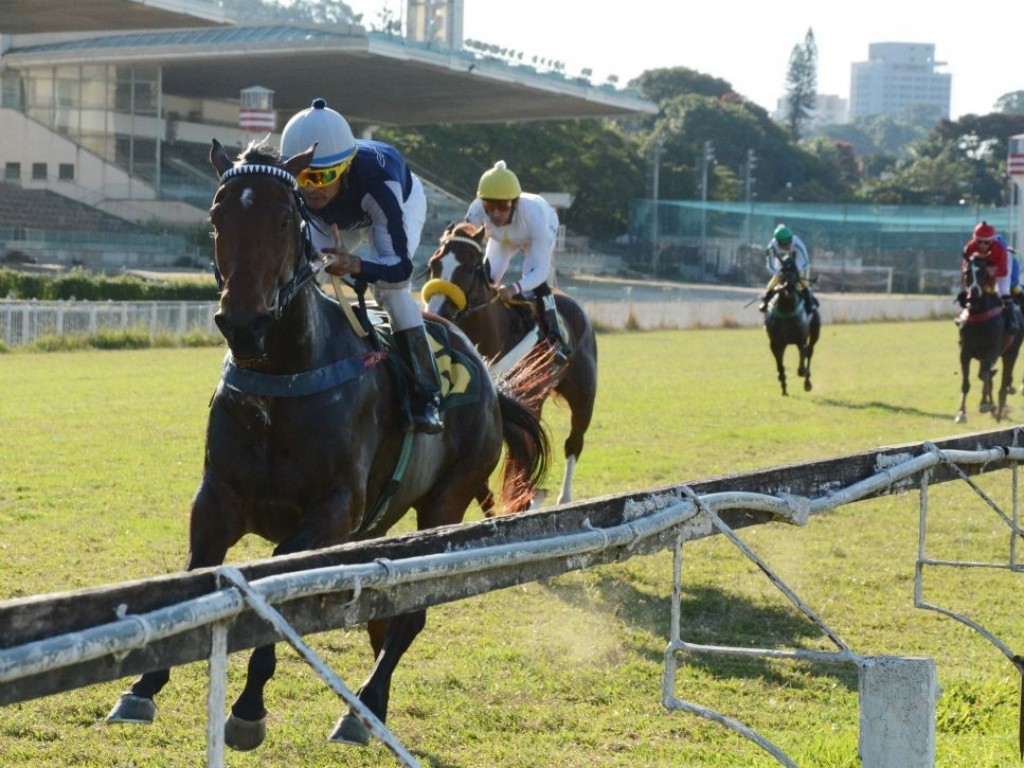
[782, 235]
[499, 183]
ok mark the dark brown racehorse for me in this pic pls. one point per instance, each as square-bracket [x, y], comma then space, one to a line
[789, 321]
[460, 290]
[984, 337]
[306, 429]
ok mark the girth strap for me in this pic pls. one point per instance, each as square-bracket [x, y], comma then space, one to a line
[392, 486]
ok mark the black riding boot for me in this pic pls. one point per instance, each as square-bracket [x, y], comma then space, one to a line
[562, 350]
[809, 300]
[414, 350]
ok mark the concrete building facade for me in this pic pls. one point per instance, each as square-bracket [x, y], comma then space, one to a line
[900, 80]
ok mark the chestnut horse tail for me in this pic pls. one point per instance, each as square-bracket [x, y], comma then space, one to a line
[527, 449]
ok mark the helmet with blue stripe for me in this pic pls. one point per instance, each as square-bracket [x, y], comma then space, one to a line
[320, 125]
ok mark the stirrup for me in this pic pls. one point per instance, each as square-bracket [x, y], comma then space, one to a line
[559, 348]
[426, 416]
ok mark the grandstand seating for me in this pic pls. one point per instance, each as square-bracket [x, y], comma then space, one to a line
[41, 209]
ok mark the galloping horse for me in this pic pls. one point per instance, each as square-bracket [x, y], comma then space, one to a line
[984, 337]
[789, 321]
[306, 429]
[460, 289]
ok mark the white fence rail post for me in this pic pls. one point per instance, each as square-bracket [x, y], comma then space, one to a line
[897, 712]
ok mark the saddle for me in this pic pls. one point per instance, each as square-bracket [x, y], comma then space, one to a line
[459, 385]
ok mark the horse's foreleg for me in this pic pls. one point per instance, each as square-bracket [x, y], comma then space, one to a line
[390, 639]
[246, 727]
[207, 547]
[805, 365]
[327, 524]
[780, 368]
[987, 375]
[965, 387]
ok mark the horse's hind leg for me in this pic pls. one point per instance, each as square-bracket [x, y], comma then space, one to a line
[580, 398]
[390, 639]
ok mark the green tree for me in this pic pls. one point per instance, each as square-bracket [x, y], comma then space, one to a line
[1011, 103]
[592, 160]
[801, 84]
[961, 160]
[660, 85]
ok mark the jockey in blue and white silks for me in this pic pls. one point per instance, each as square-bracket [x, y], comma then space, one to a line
[363, 191]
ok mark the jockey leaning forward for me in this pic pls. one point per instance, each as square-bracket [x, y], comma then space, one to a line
[784, 244]
[517, 221]
[985, 244]
[363, 190]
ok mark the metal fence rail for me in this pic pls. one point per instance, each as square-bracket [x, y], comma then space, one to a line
[25, 322]
[45, 647]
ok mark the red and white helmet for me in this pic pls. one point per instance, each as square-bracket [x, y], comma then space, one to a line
[985, 232]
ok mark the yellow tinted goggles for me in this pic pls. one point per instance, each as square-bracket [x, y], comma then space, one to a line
[321, 177]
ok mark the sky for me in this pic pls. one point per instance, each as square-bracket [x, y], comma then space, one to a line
[748, 42]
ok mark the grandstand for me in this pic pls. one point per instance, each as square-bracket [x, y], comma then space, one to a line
[114, 105]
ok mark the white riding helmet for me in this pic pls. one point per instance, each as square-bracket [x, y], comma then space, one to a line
[324, 127]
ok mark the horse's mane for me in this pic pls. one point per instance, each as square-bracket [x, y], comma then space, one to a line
[260, 152]
[465, 228]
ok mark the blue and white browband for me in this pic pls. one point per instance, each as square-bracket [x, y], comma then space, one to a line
[263, 170]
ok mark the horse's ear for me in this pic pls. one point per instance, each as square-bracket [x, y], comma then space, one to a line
[219, 158]
[300, 162]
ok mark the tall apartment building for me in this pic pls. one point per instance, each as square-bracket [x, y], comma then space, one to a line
[899, 80]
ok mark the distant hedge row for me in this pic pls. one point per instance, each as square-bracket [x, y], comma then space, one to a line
[88, 286]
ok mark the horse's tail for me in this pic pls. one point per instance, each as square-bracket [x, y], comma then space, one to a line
[528, 448]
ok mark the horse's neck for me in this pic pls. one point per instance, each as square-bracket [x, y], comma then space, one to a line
[788, 300]
[983, 301]
[311, 333]
[492, 330]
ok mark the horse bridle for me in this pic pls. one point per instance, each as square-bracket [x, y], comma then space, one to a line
[310, 264]
[479, 272]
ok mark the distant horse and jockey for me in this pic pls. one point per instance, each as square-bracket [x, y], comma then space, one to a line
[986, 335]
[309, 443]
[790, 320]
[460, 289]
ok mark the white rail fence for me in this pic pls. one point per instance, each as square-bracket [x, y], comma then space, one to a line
[24, 322]
[53, 643]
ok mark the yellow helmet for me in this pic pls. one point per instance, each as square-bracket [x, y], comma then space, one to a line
[499, 183]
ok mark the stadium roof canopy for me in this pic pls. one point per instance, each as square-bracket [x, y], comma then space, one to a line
[373, 79]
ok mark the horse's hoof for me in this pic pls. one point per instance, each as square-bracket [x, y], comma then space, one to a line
[132, 709]
[1011, 390]
[961, 418]
[807, 386]
[350, 730]
[243, 735]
